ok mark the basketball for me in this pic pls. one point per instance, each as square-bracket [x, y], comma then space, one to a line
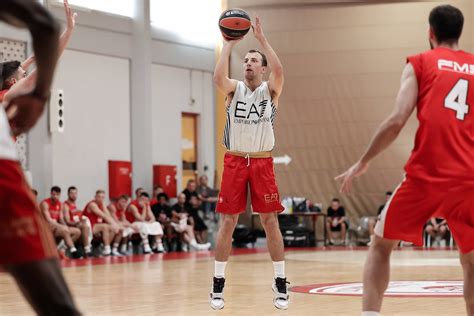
[234, 24]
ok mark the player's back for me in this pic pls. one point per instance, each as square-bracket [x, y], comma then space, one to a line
[444, 144]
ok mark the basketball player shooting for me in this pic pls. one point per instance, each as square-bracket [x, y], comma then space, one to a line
[439, 178]
[249, 139]
[28, 251]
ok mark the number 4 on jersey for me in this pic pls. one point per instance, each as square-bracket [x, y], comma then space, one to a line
[456, 99]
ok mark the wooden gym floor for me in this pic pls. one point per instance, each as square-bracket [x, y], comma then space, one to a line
[179, 284]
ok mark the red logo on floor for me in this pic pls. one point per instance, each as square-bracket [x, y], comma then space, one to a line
[395, 289]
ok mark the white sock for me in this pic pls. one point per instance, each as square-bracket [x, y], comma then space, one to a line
[87, 249]
[61, 245]
[193, 242]
[219, 268]
[73, 249]
[115, 247]
[370, 314]
[107, 250]
[279, 269]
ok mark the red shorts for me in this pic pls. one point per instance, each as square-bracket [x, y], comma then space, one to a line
[414, 202]
[24, 234]
[241, 173]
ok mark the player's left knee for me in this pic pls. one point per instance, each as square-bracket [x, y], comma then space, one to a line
[269, 220]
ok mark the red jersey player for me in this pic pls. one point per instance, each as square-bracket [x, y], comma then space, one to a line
[74, 218]
[28, 252]
[52, 210]
[440, 172]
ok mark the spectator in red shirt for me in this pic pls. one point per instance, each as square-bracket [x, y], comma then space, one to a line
[52, 211]
[73, 218]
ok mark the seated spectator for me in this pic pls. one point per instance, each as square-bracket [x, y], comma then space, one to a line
[73, 218]
[117, 209]
[161, 208]
[336, 221]
[138, 192]
[207, 195]
[103, 225]
[200, 228]
[162, 212]
[140, 215]
[373, 220]
[51, 209]
[157, 189]
[190, 191]
[180, 206]
[181, 224]
[437, 228]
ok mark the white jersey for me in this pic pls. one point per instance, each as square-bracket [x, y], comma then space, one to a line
[250, 118]
[7, 146]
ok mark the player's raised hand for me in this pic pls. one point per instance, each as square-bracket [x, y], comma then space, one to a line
[257, 29]
[70, 15]
[356, 170]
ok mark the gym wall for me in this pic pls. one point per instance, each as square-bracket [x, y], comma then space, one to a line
[97, 121]
[178, 90]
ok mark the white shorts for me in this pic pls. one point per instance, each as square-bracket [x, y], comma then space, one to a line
[182, 226]
[128, 231]
[145, 228]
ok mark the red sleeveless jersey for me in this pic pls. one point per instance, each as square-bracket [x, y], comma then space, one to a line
[54, 209]
[444, 143]
[95, 219]
[119, 211]
[129, 214]
[75, 214]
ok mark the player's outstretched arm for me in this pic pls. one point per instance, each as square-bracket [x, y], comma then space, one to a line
[221, 72]
[44, 31]
[389, 129]
[71, 24]
[63, 39]
[276, 80]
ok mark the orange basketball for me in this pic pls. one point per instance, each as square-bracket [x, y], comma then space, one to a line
[234, 24]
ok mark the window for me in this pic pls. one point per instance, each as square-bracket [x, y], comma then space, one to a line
[193, 20]
[119, 7]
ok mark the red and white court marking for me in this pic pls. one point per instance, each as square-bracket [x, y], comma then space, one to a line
[395, 289]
